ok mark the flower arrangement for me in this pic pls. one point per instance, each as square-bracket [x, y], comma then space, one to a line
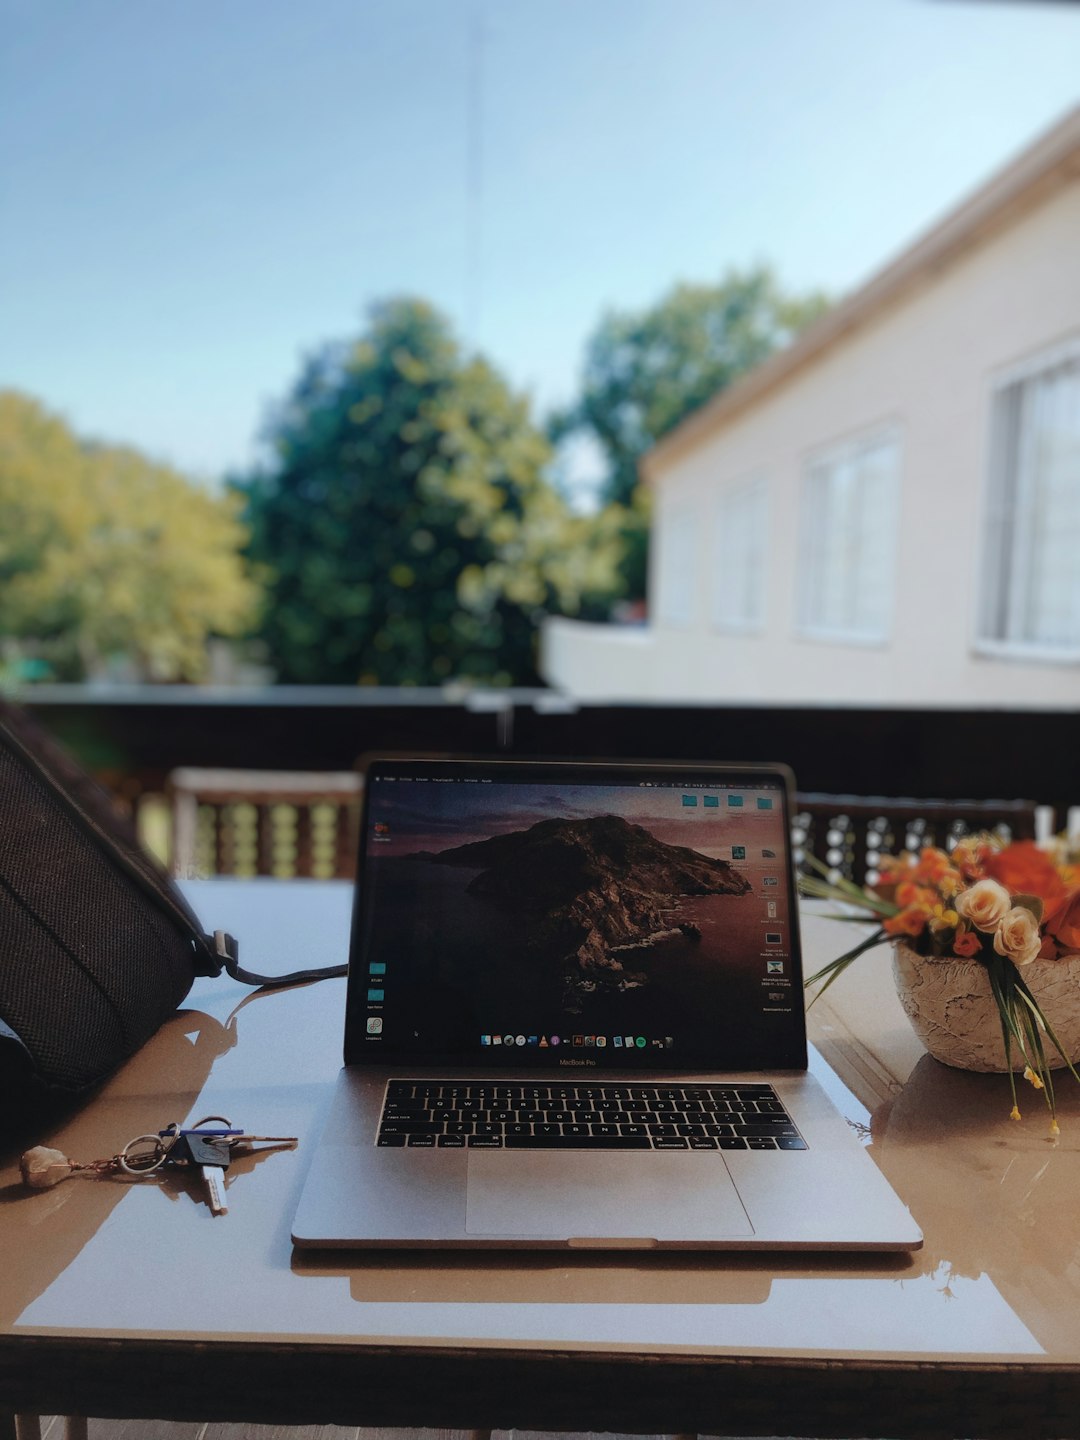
[1007, 906]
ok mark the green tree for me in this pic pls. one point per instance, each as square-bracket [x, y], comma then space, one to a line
[646, 370]
[105, 553]
[405, 522]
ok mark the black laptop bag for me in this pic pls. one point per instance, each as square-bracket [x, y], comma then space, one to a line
[97, 945]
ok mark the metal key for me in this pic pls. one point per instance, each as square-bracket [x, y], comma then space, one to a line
[232, 1138]
[211, 1160]
[245, 1144]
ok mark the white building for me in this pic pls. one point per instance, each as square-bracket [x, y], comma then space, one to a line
[889, 510]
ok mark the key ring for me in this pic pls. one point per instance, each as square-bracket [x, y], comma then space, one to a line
[135, 1162]
[145, 1162]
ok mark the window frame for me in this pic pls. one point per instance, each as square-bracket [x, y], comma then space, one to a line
[834, 453]
[1002, 443]
[754, 487]
[676, 576]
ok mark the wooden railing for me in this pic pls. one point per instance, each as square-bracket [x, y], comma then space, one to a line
[848, 834]
[285, 823]
[942, 769]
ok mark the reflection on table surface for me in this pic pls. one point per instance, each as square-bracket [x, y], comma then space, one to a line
[998, 1276]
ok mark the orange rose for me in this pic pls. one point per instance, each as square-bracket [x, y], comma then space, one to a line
[911, 894]
[932, 865]
[911, 921]
[934, 868]
[967, 944]
[1062, 924]
[1024, 869]
[892, 870]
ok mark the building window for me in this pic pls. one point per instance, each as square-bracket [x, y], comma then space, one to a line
[850, 507]
[678, 566]
[1031, 574]
[739, 557]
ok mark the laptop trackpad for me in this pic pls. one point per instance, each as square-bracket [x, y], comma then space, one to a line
[630, 1196]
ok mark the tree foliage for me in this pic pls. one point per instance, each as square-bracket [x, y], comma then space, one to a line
[646, 370]
[105, 553]
[405, 522]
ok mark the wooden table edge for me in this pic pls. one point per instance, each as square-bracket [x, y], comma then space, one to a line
[473, 1388]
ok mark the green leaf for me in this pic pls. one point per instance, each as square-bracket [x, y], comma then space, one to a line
[845, 893]
[835, 968]
[850, 919]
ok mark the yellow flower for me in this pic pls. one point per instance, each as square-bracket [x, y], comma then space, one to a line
[1014, 1113]
[1055, 1128]
[1032, 1078]
[943, 919]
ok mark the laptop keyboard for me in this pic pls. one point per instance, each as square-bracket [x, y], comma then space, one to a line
[456, 1114]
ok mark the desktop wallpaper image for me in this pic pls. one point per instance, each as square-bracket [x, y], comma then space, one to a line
[593, 910]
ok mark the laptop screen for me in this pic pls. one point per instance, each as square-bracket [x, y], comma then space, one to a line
[575, 916]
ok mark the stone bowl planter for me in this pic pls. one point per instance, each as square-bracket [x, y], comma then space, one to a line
[951, 1008]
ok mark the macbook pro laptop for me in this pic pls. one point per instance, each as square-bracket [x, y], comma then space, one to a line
[575, 1018]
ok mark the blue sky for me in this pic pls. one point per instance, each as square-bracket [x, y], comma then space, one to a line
[194, 196]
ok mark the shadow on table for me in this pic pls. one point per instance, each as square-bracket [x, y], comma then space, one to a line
[175, 1064]
[992, 1195]
[596, 1278]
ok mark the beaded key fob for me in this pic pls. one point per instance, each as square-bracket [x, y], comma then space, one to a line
[42, 1167]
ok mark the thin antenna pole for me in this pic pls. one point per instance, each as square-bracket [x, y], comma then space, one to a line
[474, 179]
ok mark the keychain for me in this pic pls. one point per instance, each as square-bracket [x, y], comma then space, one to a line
[209, 1145]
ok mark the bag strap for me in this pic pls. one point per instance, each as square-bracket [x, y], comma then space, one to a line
[212, 953]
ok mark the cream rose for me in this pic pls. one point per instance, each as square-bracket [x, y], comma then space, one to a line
[985, 904]
[1018, 937]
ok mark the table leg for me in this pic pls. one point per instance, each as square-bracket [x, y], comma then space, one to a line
[75, 1427]
[27, 1427]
